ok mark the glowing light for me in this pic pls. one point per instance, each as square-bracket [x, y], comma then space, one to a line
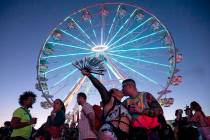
[142, 75]
[99, 48]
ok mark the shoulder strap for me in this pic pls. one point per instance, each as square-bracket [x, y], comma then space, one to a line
[27, 112]
[114, 103]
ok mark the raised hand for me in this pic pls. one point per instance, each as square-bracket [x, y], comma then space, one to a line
[85, 73]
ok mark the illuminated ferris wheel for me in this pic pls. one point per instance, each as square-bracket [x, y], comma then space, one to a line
[132, 43]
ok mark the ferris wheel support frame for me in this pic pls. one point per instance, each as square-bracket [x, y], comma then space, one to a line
[76, 88]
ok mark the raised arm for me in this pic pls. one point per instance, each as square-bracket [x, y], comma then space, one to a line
[105, 96]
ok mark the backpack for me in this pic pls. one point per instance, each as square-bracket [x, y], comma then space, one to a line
[98, 116]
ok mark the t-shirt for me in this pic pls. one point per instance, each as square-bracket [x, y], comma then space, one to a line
[24, 116]
[146, 103]
[139, 100]
[84, 126]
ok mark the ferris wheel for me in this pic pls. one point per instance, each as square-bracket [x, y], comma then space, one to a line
[132, 43]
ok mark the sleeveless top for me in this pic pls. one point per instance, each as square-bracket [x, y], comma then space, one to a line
[117, 111]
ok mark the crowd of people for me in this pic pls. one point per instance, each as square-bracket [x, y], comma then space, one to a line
[139, 117]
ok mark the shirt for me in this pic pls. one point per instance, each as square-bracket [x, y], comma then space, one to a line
[146, 103]
[24, 116]
[84, 126]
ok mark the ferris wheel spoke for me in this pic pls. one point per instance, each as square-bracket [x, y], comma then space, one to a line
[132, 31]
[102, 28]
[113, 71]
[144, 67]
[76, 38]
[127, 29]
[59, 89]
[66, 55]
[74, 90]
[141, 49]
[65, 77]
[93, 30]
[135, 40]
[67, 45]
[110, 77]
[144, 43]
[57, 68]
[121, 27]
[137, 35]
[111, 27]
[84, 32]
[141, 60]
[133, 70]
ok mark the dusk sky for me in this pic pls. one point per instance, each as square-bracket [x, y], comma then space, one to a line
[25, 25]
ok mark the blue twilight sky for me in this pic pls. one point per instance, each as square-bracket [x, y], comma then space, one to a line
[25, 24]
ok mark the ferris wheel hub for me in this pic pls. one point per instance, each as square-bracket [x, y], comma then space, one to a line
[99, 48]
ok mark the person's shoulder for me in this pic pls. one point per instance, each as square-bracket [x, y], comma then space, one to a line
[145, 93]
[148, 95]
[18, 112]
[198, 113]
[87, 107]
[20, 109]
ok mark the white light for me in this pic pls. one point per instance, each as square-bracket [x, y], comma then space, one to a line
[99, 48]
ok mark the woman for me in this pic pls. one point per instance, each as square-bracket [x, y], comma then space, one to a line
[116, 118]
[199, 120]
[57, 117]
[55, 121]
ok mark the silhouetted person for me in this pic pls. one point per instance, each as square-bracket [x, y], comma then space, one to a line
[116, 118]
[87, 130]
[22, 120]
[144, 109]
[199, 119]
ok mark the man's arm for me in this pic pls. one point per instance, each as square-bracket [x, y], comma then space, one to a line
[91, 119]
[16, 123]
[105, 96]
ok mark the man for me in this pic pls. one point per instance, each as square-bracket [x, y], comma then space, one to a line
[144, 109]
[116, 119]
[5, 131]
[86, 124]
[21, 120]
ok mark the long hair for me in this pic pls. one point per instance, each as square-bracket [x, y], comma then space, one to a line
[63, 106]
[195, 106]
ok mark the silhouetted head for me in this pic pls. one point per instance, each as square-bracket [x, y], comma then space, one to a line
[81, 98]
[27, 99]
[59, 105]
[116, 93]
[129, 87]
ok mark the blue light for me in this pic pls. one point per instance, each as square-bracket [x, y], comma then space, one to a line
[65, 77]
[131, 31]
[75, 38]
[84, 32]
[121, 27]
[142, 75]
[57, 68]
[143, 37]
[113, 21]
[70, 46]
[66, 55]
[142, 60]
[141, 49]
